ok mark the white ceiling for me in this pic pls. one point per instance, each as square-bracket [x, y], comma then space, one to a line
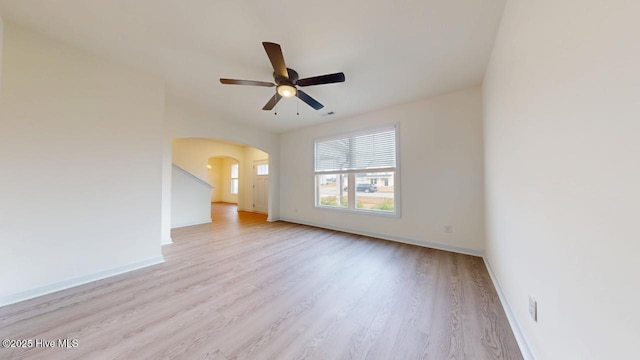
[391, 52]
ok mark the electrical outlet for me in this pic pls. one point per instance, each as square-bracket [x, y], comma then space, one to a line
[448, 229]
[533, 309]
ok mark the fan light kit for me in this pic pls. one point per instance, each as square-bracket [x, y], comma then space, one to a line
[286, 80]
[286, 91]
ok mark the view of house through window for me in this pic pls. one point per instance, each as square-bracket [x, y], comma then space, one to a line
[234, 178]
[368, 161]
[375, 191]
[332, 190]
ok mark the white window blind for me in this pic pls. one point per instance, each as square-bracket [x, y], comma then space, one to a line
[376, 150]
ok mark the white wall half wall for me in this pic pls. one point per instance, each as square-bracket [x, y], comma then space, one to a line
[562, 110]
[80, 148]
[441, 174]
[187, 205]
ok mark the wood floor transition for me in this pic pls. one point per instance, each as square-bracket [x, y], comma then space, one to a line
[243, 288]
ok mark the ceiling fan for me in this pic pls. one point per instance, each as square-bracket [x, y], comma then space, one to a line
[286, 80]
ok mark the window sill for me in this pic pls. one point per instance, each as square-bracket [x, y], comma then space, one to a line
[360, 211]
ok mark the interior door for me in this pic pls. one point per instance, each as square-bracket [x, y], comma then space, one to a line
[261, 186]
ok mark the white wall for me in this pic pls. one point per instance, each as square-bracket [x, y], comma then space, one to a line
[188, 191]
[562, 111]
[1, 38]
[167, 174]
[441, 173]
[93, 129]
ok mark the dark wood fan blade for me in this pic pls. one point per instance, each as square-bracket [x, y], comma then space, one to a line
[323, 79]
[272, 102]
[309, 100]
[246, 82]
[274, 52]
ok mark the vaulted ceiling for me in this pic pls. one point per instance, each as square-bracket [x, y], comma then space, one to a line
[391, 52]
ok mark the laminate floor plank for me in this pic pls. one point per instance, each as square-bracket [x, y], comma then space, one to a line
[379, 316]
[242, 288]
[294, 301]
[328, 305]
[326, 318]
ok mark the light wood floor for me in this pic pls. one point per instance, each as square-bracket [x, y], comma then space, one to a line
[242, 288]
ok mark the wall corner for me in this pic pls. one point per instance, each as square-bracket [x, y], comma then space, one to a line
[1, 50]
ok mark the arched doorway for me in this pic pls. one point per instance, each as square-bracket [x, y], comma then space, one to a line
[216, 172]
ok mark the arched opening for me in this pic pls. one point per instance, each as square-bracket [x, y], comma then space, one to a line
[213, 178]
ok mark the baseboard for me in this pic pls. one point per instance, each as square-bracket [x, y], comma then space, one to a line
[392, 238]
[167, 241]
[521, 339]
[81, 280]
[200, 222]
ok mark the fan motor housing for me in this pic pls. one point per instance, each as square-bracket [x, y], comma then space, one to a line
[292, 80]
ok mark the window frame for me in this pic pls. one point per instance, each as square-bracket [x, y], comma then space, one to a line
[351, 175]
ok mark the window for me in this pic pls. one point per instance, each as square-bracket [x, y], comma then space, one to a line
[234, 178]
[366, 160]
[262, 169]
